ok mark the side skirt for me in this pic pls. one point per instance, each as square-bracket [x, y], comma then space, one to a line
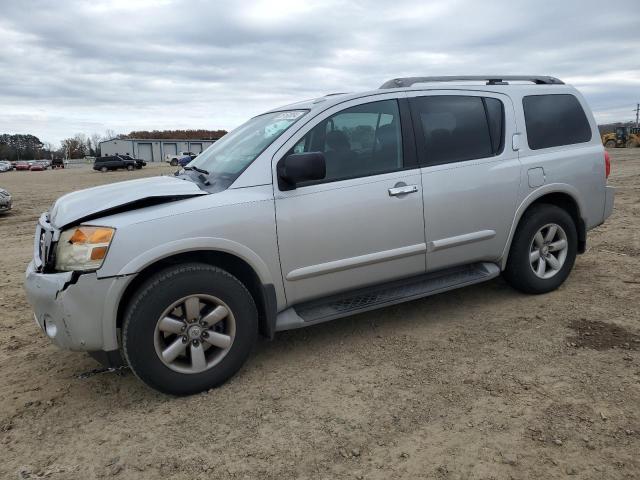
[379, 296]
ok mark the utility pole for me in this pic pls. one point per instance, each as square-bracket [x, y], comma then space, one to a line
[637, 110]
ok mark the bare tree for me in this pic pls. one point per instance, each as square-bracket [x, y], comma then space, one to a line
[109, 134]
[75, 147]
[95, 139]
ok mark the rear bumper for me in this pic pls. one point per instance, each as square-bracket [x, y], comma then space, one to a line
[610, 193]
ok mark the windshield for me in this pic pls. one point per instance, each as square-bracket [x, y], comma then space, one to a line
[228, 157]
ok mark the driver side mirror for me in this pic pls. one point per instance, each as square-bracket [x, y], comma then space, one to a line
[300, 167]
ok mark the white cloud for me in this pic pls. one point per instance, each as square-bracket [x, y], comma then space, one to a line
[70, 66]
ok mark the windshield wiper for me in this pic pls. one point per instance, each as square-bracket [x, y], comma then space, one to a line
[196, 169]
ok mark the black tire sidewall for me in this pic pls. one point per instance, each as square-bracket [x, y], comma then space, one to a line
[519, 272]
[155, 295]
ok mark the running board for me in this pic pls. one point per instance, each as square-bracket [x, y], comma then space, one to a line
[379, 296]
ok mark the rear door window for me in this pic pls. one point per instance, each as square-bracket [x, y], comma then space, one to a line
[455, 128]
[554, 120]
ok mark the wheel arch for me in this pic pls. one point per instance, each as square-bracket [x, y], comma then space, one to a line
[560, 195]
[264, 294]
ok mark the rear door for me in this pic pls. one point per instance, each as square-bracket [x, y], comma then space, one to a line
[470, 174]
[363, 224]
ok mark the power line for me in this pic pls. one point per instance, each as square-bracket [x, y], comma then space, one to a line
[637, 110]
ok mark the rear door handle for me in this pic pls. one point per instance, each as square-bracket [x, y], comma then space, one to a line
[402, 190]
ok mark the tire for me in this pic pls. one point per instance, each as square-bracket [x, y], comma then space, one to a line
[519, 272]
[174, 163]
[129, 167]
[104, 169]
[144, 342]
[631, 144]
[610, 144]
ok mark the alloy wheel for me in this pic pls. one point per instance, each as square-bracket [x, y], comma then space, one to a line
[548, 250]
[194, 333]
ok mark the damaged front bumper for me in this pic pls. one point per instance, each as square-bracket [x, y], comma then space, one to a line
[76, 311]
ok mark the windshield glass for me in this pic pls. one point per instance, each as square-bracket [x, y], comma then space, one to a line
[228, 157]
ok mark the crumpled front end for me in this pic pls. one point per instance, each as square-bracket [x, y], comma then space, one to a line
[70, 307]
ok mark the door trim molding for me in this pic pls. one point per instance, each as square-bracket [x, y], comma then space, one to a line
[458, 240]
[353, 262]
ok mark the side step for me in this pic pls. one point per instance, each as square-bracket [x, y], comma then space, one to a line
[378, 296]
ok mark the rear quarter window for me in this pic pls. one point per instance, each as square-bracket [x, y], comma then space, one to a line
[554, 121]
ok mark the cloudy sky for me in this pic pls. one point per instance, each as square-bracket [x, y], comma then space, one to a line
[88, 66]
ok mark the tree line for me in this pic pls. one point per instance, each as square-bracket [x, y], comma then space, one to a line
[29, 147]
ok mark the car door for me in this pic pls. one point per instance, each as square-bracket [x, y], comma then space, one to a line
[470, 174]
[363, 224]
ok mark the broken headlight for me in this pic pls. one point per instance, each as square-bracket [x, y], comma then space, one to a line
[83, 248]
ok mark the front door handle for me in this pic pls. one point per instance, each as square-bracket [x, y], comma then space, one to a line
[402, 190]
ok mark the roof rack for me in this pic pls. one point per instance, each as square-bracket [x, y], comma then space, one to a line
[491, 80]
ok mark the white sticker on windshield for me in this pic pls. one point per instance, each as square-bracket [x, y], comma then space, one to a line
[289, 115]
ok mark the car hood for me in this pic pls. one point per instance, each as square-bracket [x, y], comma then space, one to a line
[95, 202]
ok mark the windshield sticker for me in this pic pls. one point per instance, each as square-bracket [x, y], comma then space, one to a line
[289, 115]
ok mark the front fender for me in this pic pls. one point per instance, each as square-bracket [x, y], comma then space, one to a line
[184, 245]
[529, 200]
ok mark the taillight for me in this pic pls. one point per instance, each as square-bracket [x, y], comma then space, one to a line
[607, 164]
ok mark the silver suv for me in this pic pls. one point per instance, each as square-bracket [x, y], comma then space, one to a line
[320, 210]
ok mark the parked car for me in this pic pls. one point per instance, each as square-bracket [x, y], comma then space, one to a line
[174, 160]
[57, 163]
[5, 201]
[21, 166]
[5, 166]
[38, 165]
[139, 163]
[114, 162]
[321, 210]
[184, 161]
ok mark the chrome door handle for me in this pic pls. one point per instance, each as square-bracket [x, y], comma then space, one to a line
[402, 190]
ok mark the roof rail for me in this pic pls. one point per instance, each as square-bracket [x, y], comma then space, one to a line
[490, 79]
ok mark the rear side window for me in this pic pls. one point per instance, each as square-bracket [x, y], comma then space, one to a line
[456, 128]
[555, 120]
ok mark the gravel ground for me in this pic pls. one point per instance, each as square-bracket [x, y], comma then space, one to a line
[482, 382]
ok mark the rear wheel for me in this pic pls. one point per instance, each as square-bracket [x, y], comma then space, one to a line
[631, 144]
[174, 163]
[103, 169]
[610, 143]
[189, 328]
[543, 250]
[129, 167]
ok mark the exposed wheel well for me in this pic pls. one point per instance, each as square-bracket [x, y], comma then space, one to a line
[567, 203]
[232, 264]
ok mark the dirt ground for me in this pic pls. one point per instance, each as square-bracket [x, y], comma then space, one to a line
[479, 383]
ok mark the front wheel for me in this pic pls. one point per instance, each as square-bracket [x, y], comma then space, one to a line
[189, 328]
[103, 169]
[129, 167]
[543, 250]
[174, 163]
[610, 143]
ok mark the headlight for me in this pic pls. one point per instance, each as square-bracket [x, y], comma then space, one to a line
[83, 248]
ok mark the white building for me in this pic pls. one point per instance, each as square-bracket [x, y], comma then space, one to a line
[151, 149]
